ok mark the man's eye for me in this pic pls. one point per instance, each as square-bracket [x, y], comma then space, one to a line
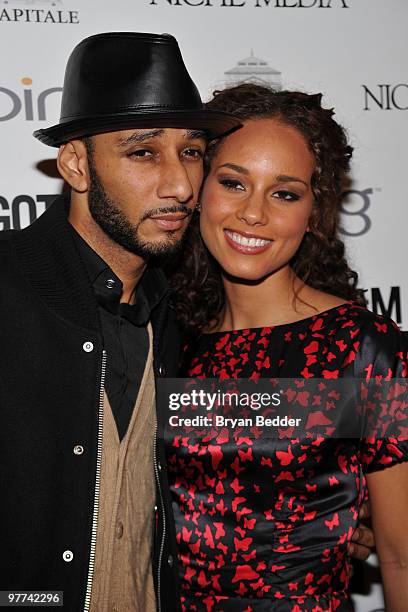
[141, 153]
[231, 185]
[195, 153]
[287, 196]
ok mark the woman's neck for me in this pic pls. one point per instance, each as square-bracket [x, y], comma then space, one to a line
[280, 298]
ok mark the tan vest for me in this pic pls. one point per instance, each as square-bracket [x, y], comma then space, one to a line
[123, 580]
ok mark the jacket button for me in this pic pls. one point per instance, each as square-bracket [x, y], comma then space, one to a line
[68, 555]
[119, 530]
[88, 347]
[78, 449]
[162, 370]
[170, 560]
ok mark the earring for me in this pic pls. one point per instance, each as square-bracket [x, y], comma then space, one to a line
[198, 207]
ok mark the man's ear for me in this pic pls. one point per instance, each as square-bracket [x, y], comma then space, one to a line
[73, 165]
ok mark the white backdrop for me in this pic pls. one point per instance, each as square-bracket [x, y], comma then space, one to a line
[353, 51]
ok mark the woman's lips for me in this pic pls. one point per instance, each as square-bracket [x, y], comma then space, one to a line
[249, 244]
[170, 222]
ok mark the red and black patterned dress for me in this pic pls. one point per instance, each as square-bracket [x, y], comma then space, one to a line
[263, 524]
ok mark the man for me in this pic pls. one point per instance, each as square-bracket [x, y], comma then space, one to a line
[86, 327]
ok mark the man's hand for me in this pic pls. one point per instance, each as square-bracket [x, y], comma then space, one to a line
[362, 541]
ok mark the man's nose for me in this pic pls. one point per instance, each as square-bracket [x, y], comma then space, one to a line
[175, 182]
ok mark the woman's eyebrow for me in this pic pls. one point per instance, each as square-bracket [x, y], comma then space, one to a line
[284, 178]
[240, 169]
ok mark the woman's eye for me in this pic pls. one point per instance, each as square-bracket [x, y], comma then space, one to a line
[287, 196]
[231, 185]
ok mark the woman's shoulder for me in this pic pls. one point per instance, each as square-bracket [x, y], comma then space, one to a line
[356, 317]
[377, 344]
[377, 328]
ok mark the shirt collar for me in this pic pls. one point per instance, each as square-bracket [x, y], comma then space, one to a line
[108, 288]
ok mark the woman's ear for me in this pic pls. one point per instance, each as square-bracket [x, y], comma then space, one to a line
[73, 165]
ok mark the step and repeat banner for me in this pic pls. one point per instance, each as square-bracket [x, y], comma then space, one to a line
[353, 51]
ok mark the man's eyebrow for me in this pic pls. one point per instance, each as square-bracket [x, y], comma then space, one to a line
[284, 178]
[196, 135]
[139, 137]
[235, 167]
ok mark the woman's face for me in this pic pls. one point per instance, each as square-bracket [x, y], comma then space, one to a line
[257, 199]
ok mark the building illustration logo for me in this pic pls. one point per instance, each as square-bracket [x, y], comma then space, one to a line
[254, 70]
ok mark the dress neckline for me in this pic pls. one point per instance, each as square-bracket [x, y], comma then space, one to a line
[281, 325]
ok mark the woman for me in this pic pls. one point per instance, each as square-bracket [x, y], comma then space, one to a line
[267, 292]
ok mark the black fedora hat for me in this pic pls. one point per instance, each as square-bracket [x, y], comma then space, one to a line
[121, 80]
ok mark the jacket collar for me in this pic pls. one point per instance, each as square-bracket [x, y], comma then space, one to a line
[49, 259]
[108, 288]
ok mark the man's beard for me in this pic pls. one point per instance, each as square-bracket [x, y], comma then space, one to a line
[117, 226]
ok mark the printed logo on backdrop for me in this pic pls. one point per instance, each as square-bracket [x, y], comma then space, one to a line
[386, 301]
[22, 210]
[33, 2]
[256, 3]
[355, 210]
[37, 11]
[385, 96]
[24, 101]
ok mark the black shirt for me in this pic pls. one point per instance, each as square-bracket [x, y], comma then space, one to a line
[124, 330]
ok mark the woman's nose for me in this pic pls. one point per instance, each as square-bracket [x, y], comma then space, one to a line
[252, 210]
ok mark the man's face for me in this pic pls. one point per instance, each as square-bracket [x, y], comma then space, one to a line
[145, 185]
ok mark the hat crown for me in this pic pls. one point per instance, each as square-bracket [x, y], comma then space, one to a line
[119, 71]
[128, 80]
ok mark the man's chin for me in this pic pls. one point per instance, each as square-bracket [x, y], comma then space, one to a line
[159, 248]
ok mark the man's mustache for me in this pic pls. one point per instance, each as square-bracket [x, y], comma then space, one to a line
[155, 212]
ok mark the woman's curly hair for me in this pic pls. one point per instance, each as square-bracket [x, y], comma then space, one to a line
[320, 260]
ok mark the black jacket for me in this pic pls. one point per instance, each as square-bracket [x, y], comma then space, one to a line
[51, 385]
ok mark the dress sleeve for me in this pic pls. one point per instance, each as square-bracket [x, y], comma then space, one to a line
[383, 361]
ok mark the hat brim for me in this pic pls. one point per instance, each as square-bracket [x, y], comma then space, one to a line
[214, 123]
